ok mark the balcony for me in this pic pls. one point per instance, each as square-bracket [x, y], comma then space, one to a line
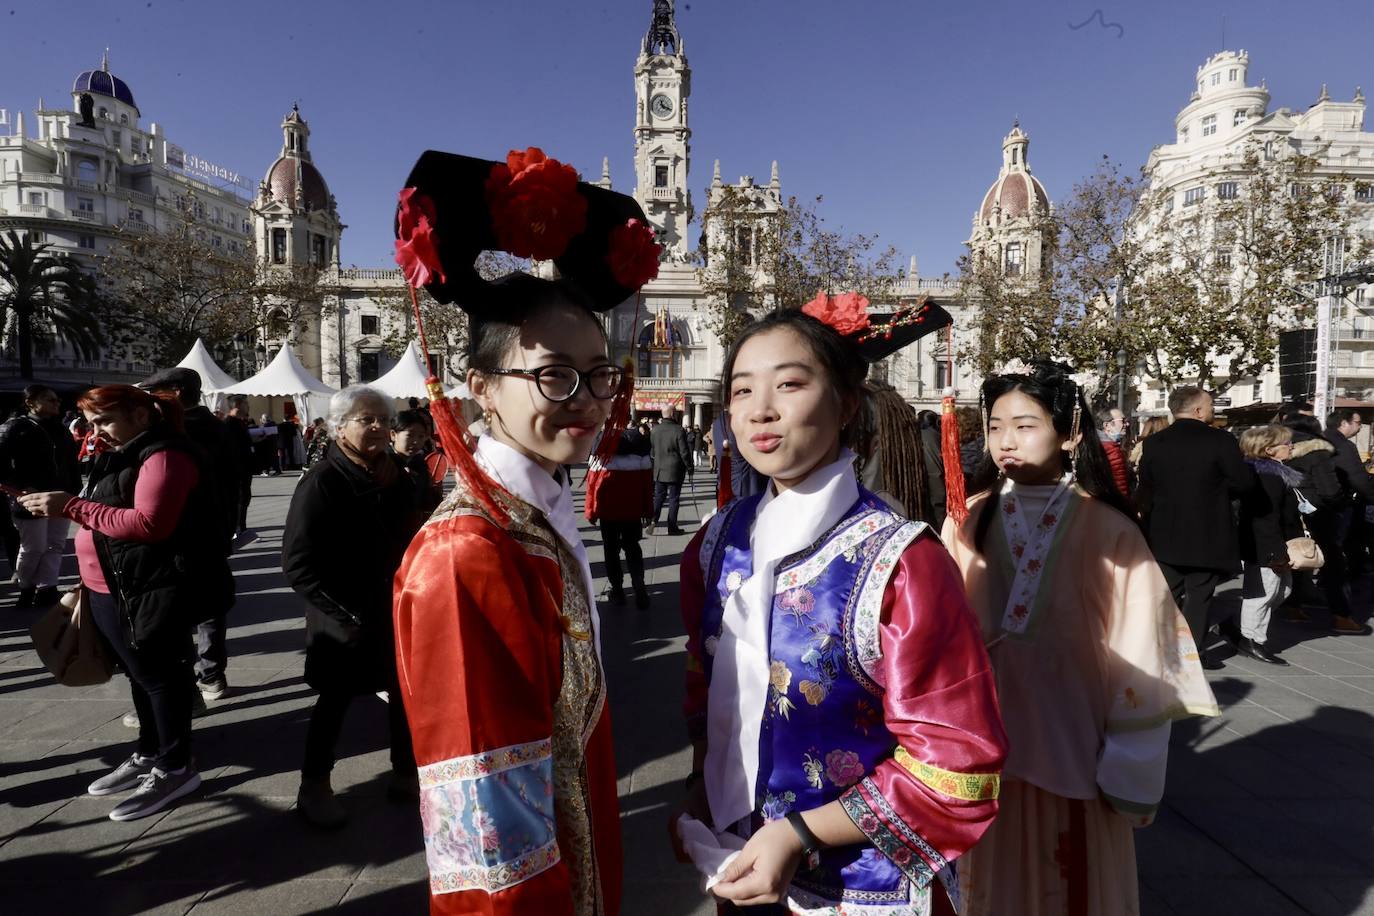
[88, 216]
[705, 386]
[39, 178]
[80, 185]
[37, 210]
[663, 194]
[135, 225]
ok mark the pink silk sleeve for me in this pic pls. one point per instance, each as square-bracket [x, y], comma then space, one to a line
[164, 482]
[937, 794]
[692, 591]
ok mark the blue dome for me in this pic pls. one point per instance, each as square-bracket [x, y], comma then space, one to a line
[103, 82]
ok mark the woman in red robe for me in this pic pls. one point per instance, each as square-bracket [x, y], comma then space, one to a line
[497, 637]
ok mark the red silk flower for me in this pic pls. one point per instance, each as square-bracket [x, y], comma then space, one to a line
[417, 249]
[535, 207]
[847, 313]
[633, 254]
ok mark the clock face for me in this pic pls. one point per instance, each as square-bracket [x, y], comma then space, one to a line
[661, 106]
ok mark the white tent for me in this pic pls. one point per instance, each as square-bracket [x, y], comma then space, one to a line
[406, 379]
[285, 377]
[213, 379]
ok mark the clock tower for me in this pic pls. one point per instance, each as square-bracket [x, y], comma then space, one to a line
[662, 138]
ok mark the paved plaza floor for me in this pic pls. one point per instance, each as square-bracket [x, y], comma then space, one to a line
[1269, 809]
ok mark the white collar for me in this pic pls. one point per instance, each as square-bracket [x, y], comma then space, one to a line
[525, 479]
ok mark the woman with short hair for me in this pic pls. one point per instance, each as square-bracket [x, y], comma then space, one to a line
[351, 518]
[1269, 518]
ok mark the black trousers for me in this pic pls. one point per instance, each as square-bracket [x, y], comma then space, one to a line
[1193, 588]
[212, 656]
[618, 536]
[326, 723]
[245, 497]
[671, 490]
[161, 679]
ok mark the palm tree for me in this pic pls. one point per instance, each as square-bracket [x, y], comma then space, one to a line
[48, 291]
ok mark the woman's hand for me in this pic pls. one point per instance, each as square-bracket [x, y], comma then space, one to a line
[46, 505]
[763, 870]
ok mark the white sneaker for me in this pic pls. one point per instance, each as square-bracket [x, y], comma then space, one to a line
[158, 790]
[123, 777]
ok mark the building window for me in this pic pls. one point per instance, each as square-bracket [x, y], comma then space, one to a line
[105, 113]
[941, 373]
[1169, 204]
[1364, 191]
[371, 325]
[218, 216]
[1232, 74]
[1269, 150]
[744, 244]
[1183, 135]
[370, 366]
[1223, 259]
[1193, 196]
[1012, 260]
[1216, 79]
[660, 353]
[217, 242]
[123, 119]
[199, 208]
[1209, 125]
[38, 237]
[278, 246]
[116, 138]
[1228, 190]
[136, 214]
[85, 204]
[660, 176]
[87, 170]
[1238, 118]
[37, 199]
[86, 241]
[318, 250]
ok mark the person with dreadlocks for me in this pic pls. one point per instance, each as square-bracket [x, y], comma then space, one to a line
[840, 703]
[1092, 657]
[498, 642]
[891, 455]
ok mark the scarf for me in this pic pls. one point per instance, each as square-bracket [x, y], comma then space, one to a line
[382, 468]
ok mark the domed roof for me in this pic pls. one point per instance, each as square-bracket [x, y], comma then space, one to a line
[1016, 191]
[289, 173]
[1013, 193]
[103, 82]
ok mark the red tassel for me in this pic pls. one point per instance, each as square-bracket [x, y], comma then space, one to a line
[619, 418]
[956, 502]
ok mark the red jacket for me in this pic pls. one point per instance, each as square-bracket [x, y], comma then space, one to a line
[1117, 459]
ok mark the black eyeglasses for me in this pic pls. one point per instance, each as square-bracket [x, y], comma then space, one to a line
[560, 383]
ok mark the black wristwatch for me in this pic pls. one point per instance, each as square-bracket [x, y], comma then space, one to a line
[811, 847]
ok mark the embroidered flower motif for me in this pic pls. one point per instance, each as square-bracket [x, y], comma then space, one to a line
[901, 855]
[843, 768]
[814, 691]
[1032, 565]
[779, 676]
[417, 248]
[798, 601]
[486, 829]
[847, 313]
[733, 581]
[1132, 698]
[633, 254]
[1048, 520]
[1020, 611]
[775, 807]
[812, 766]
[536, 209]
[1017, 550]
[1009, 507]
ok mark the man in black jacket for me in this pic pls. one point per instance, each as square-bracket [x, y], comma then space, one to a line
[1357, 492]
[220, 458]
[672, 456]
[38, 454]
[1189, 474]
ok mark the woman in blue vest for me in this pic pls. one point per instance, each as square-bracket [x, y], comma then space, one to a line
[841, 705]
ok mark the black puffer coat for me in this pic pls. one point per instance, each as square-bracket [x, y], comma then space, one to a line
[344, 540]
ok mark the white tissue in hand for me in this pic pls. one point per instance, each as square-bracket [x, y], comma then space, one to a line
[710, 854]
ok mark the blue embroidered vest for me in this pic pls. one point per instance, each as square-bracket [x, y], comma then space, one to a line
[823, 725]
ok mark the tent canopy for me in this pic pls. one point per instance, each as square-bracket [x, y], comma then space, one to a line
[212, 378]
[285, 377]
[406, 379]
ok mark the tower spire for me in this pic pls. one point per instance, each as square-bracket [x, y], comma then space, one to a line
[663, 37]
[105, 61]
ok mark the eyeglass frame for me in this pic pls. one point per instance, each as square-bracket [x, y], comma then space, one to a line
[582, 378]
[384, 422]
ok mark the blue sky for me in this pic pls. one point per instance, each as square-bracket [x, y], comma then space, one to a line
[894, 111]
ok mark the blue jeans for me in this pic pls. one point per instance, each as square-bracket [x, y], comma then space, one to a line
[672, 491]
[161, 679]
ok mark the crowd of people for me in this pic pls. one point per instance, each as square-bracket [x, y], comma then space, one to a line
[911, 687]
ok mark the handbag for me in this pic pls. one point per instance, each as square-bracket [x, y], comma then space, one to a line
[67, 643]
[1303, 552]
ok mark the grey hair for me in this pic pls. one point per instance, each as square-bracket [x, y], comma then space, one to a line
[342, 401]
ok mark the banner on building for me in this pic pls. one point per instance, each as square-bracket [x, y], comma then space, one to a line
[660, 400]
